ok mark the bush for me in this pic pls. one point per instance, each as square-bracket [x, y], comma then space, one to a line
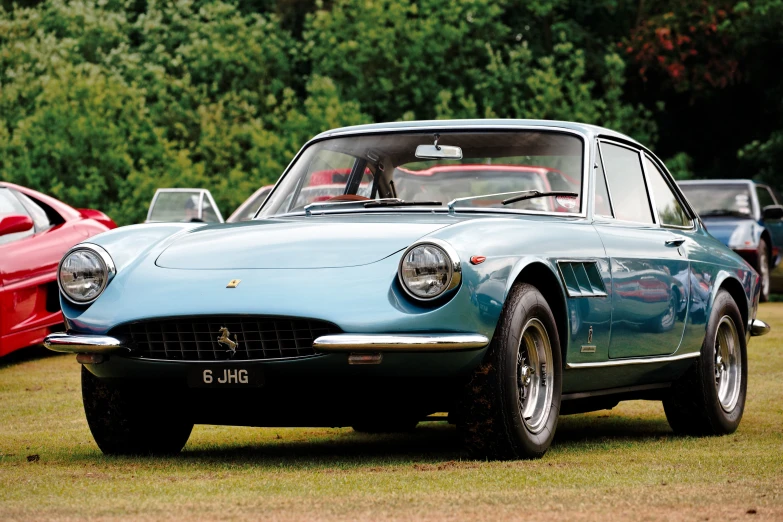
[102, 102]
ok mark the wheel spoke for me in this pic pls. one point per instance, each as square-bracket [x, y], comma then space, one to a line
[728, 372]
[535, 356]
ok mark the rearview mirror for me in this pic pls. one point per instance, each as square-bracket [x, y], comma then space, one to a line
[14, 224]
[438, 152]
[772, 212]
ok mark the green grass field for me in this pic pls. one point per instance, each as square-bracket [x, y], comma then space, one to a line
[624, 463]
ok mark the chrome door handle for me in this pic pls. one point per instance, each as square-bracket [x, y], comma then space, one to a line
[675, 241]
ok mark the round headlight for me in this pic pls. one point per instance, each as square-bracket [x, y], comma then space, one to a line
[84, 273]
[427, 270]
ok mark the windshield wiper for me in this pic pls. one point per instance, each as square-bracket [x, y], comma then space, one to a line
[401, 203]
[536, 194]
[358, 202]
[521, 195]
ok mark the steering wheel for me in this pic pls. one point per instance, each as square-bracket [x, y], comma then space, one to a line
[349, 197]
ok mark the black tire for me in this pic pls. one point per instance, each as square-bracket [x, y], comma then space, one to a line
[128, 420]
[762, 267]
[385, 426]
[693, 406]
[490, 416]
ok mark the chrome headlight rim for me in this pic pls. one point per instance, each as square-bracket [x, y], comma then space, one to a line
[455, 269]
[108, 265]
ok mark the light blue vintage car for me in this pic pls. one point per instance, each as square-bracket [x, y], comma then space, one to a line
[533, 269]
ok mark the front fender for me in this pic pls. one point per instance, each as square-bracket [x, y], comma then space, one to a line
[750, 292]
[128, 244]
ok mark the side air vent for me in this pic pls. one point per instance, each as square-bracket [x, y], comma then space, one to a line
[582, 278]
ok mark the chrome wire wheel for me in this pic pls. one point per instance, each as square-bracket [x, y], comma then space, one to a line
[534, 375]
[728, 364]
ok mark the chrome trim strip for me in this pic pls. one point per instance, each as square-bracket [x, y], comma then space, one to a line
[585, 136]
[632, 361]
[79, 343]
[759, 327]
[399, 342]
[434, 210]
[455, 268]
[134, 358]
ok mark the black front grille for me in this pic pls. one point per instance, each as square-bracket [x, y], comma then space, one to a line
[196, 338]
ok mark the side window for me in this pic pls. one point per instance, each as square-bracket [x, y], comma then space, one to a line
[10, 206]
[765, 198]
[38, 214]
[626, 181]
[602, 205]
[670, 211]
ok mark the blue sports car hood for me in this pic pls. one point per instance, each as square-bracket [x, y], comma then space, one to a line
[732, 231]
[300, 243]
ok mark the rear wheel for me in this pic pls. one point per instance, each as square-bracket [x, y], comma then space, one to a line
[710, 398]
[512, 403]
[133, 420]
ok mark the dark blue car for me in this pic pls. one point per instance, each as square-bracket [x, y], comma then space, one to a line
[744, 215]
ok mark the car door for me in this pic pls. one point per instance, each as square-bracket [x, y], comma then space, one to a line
[28, 267]
[643, 240]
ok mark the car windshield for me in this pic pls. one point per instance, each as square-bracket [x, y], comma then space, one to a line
[351, 170]
[181, 205]
[719, 198]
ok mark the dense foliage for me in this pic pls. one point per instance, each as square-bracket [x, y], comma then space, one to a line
[103, 101]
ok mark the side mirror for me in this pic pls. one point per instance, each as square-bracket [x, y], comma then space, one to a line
[772, 212]
[15, 224]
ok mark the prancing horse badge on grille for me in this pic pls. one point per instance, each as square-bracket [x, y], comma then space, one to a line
[225, 340]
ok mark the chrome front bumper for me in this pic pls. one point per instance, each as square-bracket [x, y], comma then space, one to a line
[78, 343]
[759, 327]
[399, 342]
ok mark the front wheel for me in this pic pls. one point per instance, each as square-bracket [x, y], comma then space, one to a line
[511, 405]
[133, 420]
[710, 398]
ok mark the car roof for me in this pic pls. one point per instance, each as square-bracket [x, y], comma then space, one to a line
[66, 211]
[182, 190]
[584, 128]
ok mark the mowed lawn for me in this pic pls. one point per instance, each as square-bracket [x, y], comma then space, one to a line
[621, 464]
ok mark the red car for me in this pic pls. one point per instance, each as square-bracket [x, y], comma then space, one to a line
[456, 181]
[35, 232]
